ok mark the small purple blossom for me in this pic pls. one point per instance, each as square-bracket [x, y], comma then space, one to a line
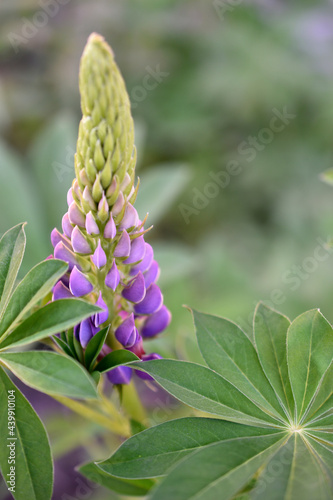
[135, 290]
[113, 277]
[78, 283]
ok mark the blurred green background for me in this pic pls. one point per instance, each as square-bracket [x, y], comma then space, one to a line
[204, 77]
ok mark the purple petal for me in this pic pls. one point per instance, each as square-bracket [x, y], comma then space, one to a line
[75, 215]
[138, 250]
[152, 302]
[125, 182]
[127, 333]
[152, 274]
[118, 206]
[146, 261]
[60, 291]
[103, 204]
[130, 218]
[147, 357]
[66, 225]
[135, 290]
[124, 245]
[91, 224]
[102, 316]
[70, 198]
[137, 348]
[65, 279]
[99, 257]
[156, 323]
[79, 284]
[79, 243]
[63, 253]
[113, 277]
[120, 375]
[88, 198]
[56, 237]
[86, 332]
[110, 230]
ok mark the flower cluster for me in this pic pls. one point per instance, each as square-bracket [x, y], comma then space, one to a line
[102, 237]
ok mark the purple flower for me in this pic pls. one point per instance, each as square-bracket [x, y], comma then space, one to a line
[101, 317]
[76, 216]
[152, 302]
[110, 229]
[113, 277]
[130, 218]
[60, 291]
[78, 283]
[126, 333]
[138, 250]
[123, 247]
[156, 322]
[85, 332]
[66, 225]
[91, 224]
[120, 375]
[135, 290]
[146, 261]
[99, 257]
[63, 253]
[152, 274]
[79, 243]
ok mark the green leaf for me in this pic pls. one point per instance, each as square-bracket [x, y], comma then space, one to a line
[36, 284]
[115, 358]
[152, 452]
[205, 390]
[33, 462]
[217, 471]
[50, 319]
[122, 486]
[159, 188]
[309, 354]
[12, 246]
[51, 373]
[63, 345]
[94, 348]
[322, 404]
[270, 331]
[228, 351]
[295, 472]
[205, 459]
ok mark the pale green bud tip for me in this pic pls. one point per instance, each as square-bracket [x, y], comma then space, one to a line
[106, 134]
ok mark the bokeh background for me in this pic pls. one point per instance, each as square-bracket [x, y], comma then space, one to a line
[205, 77]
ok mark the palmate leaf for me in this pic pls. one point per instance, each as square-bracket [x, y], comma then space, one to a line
[280, 387]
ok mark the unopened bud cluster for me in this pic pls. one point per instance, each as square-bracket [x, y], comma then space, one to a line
[102, 237]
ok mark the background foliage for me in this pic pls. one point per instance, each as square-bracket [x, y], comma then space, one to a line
[225, 76]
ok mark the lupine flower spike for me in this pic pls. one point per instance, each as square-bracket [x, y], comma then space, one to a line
[110, 264]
